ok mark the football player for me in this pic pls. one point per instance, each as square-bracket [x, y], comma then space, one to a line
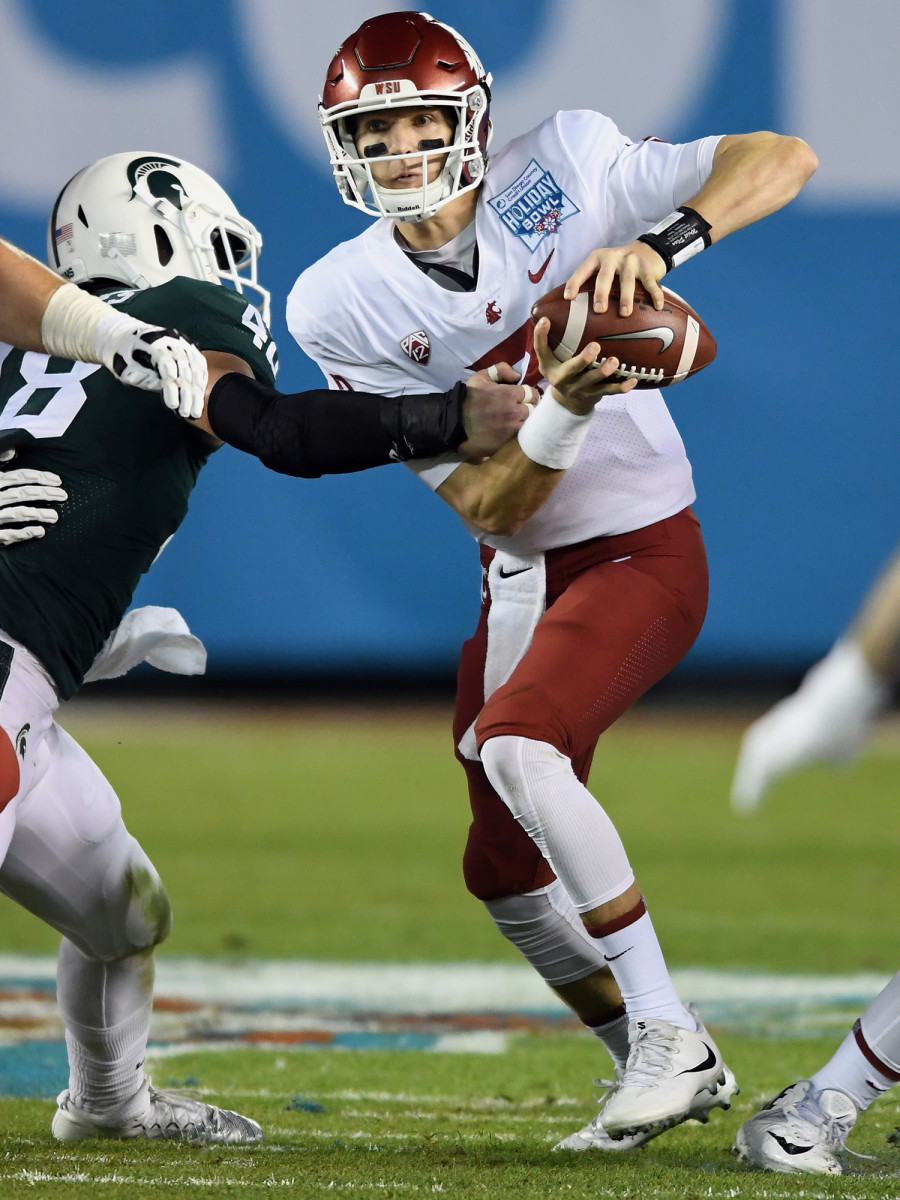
[595, 594]
[164, 244]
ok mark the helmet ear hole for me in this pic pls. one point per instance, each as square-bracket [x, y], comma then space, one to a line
[82, 218]
[164, 248]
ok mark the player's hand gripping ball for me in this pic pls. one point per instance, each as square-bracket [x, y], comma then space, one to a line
[658, 348]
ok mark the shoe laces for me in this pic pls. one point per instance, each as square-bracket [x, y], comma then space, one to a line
[650, 1055]
[835, 1128]
[608, 1085]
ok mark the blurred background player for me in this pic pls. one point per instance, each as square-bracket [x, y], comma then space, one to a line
[593, 596]
[804, 1129]
[830, 716]
[170, 238]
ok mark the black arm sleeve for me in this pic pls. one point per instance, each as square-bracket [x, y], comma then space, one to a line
[322, 432]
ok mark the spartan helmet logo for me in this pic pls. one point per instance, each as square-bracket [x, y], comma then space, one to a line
[151, 175]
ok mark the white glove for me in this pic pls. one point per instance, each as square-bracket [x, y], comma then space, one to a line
[19, 491]
[77, 325]
[155, 359]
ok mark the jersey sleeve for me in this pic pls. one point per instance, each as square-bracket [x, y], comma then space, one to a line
[640, 182]
[325, 331]
[212, 315]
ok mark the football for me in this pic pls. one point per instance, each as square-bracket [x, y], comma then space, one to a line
[656, 347]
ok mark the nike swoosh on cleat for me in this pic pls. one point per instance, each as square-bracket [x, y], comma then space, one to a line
[509, 574]
[788, 1147]
[538, 275]
[709, 1061]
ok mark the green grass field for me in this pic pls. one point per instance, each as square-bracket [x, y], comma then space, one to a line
[335, 835]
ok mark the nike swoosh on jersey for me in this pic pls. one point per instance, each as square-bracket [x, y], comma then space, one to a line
[509, 574]
[538, 275]
[665, 335]
[709, 1061]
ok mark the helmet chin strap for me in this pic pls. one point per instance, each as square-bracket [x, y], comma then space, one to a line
[419, 203]
[134, 277]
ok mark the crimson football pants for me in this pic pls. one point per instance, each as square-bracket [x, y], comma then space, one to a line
[621, 613]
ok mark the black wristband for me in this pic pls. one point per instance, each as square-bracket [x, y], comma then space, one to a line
[679, 236]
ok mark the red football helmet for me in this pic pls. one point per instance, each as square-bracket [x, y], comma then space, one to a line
[406, 60]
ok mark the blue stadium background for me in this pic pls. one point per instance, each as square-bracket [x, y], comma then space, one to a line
[793, 431]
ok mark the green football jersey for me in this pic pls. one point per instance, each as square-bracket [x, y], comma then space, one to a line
[127, 463]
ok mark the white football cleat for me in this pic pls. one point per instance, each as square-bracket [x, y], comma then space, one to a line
[828, 719]
[164, 1115]
[667, 1072]
[594, 1137]
[801, 1131]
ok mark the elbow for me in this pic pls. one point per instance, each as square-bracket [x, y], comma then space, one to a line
[804, 160]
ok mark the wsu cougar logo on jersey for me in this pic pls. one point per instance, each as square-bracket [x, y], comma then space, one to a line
[417, 346]
[493, 312]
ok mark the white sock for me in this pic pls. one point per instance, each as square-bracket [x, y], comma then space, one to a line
[636, 960]
[106, 1008]
[614, 1036]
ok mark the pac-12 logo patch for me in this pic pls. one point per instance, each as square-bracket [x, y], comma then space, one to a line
[534, 206]
[417, 346]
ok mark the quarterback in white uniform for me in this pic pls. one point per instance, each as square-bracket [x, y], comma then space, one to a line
[594, 566]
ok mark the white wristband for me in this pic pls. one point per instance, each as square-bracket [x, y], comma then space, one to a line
[77, 325]
[552, 435]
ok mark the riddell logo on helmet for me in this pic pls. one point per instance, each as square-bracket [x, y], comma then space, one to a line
[392, 85]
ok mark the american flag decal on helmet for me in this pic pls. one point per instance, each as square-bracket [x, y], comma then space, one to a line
[416, 346]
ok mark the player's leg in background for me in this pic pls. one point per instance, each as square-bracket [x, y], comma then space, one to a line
[830, 716]
[804, 1129]
[73, 864]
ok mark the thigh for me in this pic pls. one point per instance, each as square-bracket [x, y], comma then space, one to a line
[27, 704]
[614, 629]
[73, 863]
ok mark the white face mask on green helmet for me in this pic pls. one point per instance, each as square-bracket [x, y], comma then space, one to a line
[142, 219]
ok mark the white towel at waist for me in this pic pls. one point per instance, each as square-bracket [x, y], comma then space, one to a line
[518, 589]
[158, 636]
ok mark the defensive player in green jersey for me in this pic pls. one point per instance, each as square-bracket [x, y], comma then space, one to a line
[39, 311]
[157, 238]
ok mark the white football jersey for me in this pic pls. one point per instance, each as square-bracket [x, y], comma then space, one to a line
[374, 321]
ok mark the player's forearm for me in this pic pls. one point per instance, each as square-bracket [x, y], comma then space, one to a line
[501, 493]
[753, 175]
[25, 287]
[322, 432]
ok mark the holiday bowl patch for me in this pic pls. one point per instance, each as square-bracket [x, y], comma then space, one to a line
[534, 206]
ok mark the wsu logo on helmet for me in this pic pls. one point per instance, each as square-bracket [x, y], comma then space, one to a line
[153, 175]
[417, 346]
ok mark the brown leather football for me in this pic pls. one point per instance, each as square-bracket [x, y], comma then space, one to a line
[657, 347]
